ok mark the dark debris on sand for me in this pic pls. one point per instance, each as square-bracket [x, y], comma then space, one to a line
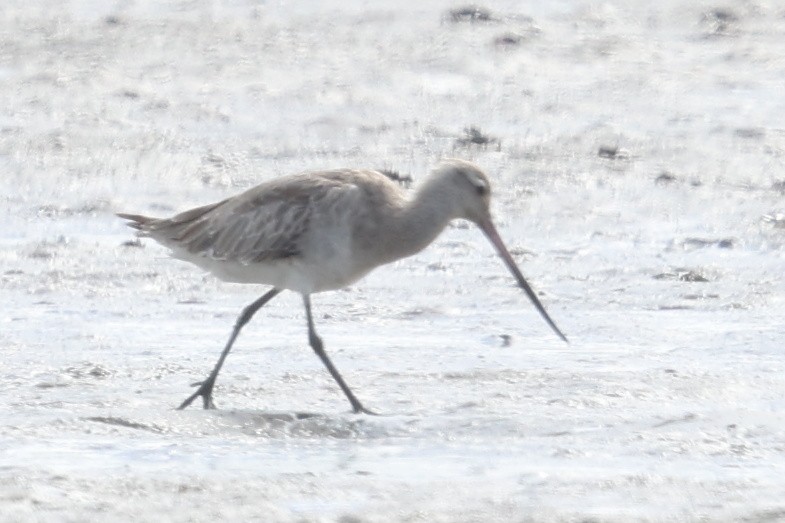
[720, 22]
[403, 179]
[474, 136]
[469, 13]
[664, 178]
[612, 152]
[687, 275]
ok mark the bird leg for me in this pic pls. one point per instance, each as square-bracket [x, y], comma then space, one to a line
[205, 389]
[318, 348]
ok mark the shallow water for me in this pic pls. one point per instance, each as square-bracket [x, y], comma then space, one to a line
[636, 152]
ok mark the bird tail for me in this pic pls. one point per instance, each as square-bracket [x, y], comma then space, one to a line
[137, 221]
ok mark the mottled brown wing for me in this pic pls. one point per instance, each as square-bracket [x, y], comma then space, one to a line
[265, 223]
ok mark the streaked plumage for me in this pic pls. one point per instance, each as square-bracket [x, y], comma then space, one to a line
[284, 231]
[323, 230]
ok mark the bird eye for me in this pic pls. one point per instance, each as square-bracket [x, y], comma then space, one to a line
[482, 189]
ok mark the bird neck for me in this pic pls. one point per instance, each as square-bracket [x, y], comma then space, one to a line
[425, 216]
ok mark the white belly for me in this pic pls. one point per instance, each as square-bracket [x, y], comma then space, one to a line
[305, 276]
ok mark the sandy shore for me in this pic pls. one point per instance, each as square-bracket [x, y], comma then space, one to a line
[636, 152]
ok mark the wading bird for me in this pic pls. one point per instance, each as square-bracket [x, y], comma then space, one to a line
[321, 231]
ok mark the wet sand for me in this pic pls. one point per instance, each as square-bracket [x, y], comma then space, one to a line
[636, 153]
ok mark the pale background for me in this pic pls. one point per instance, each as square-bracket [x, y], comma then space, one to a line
[667, 406]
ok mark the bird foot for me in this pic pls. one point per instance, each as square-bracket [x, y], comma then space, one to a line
[359, 409]
[205, 390]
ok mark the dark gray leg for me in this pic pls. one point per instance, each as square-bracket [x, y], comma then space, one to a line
[318, 348]
[205, 389]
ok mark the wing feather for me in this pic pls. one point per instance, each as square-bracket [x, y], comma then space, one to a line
[247, 234]
[265, 223]
[272, 221]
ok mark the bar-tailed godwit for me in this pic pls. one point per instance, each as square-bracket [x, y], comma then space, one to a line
[321, 231]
